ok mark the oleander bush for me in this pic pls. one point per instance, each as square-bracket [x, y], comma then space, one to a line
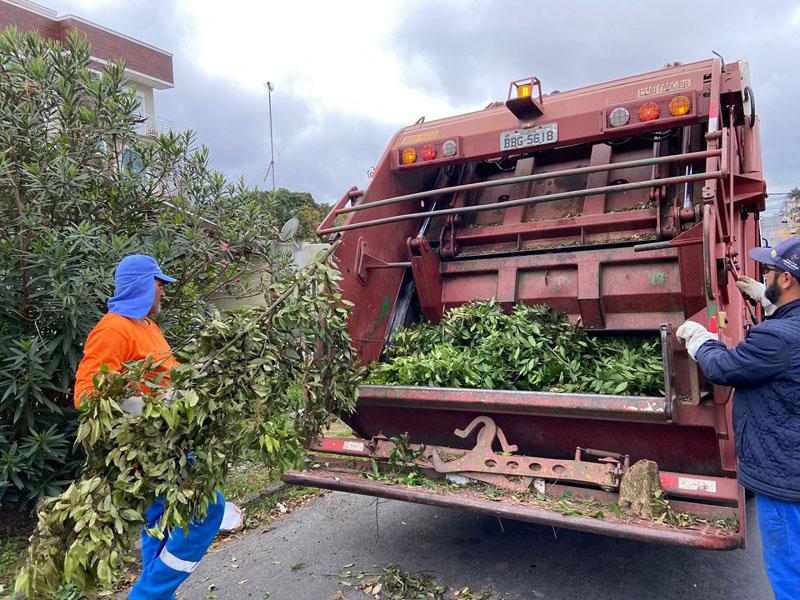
[80, 189]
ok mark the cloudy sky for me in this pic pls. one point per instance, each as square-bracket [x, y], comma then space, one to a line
[348, 74]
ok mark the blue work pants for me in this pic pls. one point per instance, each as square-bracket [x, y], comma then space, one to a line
[779, 522]
[167, 563]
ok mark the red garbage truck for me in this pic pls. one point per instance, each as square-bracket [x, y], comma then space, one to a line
[630, 206]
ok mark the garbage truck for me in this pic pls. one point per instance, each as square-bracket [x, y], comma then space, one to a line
[629, 206]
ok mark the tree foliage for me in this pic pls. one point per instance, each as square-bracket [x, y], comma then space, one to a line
[263, 379]
[300, 205]
[72, 203]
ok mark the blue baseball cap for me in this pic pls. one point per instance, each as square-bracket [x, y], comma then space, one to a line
[784, 256]
[135, 289]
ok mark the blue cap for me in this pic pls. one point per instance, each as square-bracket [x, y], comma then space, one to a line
[784, 256]
[135, 286]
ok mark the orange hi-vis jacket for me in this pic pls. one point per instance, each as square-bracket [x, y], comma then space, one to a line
[115, 340]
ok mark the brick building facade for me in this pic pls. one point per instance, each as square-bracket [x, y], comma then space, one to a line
[148, 68]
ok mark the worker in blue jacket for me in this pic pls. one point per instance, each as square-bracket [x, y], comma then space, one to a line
[765, 370]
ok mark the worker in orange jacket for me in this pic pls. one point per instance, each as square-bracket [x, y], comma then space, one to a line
[126, 333]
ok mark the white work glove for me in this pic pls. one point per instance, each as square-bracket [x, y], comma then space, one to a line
[694, 335]
[133, 406]
[756, 290]
[169, 397]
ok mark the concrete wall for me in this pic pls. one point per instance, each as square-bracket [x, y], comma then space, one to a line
[302, 254]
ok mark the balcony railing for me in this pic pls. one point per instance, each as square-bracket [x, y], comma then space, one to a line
[152, 126]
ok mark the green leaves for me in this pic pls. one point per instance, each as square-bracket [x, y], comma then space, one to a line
[71, 206]
[70, 209]
[477, 345]
[262, 381]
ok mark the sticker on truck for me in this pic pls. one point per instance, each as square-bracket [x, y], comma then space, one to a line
[425, 136]
[353, 446]
[664, 88]
[690, 483]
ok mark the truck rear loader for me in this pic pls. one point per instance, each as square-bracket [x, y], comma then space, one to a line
[629, 206]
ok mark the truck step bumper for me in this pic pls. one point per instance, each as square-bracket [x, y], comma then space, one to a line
[701, 537]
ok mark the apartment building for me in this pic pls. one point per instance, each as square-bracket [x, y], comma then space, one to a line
[148, 68]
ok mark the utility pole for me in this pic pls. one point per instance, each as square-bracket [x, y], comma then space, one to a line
[271, 168]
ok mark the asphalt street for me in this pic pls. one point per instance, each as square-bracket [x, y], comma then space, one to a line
[301, 556]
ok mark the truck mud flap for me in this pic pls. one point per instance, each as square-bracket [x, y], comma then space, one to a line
[701, 537]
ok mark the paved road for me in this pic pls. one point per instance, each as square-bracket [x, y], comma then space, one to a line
[518, 561]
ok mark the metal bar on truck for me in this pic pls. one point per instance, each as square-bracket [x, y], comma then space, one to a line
[668, 244]
[650, 409]
[644, 162]
[623, 187]
[631, 220]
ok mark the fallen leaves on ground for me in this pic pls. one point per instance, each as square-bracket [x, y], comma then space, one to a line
[394, 583]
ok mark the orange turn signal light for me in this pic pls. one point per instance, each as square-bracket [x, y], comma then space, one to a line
[679, 106]
[649, 111]
[409, 156]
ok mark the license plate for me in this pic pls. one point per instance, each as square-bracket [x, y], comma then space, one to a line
[525, 138]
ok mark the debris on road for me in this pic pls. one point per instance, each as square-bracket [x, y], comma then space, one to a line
[394, 583]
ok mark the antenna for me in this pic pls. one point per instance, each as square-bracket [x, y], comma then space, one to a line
[289, 229]
[271, 168]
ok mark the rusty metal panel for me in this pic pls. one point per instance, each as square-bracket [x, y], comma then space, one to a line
[550, 436]
[643, 289]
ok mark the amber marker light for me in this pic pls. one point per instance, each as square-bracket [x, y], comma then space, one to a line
[409, 156]
[524, 90]
[648, 111]
[679, 106]
[428, 152]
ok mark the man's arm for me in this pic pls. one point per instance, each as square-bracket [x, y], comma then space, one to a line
[762, 355]
[104, 346]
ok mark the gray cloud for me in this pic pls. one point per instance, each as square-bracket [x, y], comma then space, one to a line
[477, 48]
[468, 52]
[323, 155]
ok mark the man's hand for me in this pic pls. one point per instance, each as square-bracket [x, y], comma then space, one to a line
[756, 290]
[694, 335]
[133, 406]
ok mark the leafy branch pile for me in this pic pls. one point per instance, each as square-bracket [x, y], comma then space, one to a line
[665, 514]
[401, 468]
[266, 379]
[533, 348]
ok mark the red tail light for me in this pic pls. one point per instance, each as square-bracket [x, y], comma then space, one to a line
[649, 111]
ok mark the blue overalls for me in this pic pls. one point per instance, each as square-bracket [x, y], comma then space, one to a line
[167, 563]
